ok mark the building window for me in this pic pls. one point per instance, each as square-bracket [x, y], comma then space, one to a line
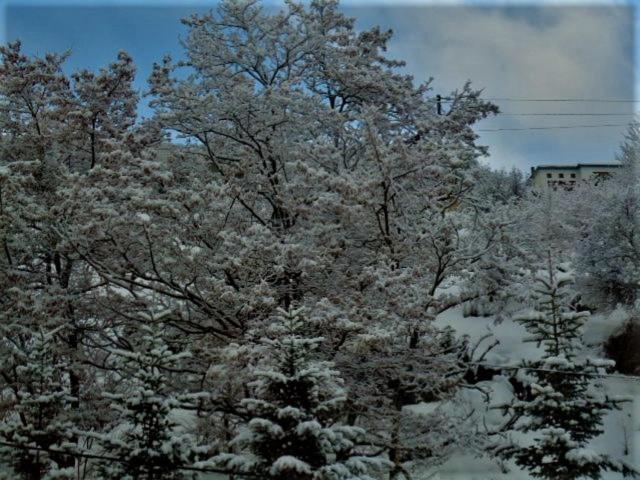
[549, 175]
[561, 175]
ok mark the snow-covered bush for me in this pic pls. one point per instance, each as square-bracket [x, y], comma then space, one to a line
[609, 246]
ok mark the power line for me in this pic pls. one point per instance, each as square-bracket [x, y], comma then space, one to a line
[568, 100]
[558, 114]
[555, 127]
[549, 100]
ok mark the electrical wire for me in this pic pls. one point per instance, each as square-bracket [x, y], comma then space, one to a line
[565, 100]
[554, 127]
[558, 114]
[551, 100]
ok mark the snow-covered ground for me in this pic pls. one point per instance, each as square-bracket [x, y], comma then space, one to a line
[621, 438]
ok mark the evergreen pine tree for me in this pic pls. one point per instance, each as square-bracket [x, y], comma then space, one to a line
[293, 429]
[36, 421]
[555, 324]
[566, 411]
[145, 438]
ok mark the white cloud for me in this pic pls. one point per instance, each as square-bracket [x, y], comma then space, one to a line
[524, 52]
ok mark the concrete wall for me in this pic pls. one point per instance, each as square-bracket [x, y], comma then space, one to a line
[540, 178]
[588, 172]
[582, 173]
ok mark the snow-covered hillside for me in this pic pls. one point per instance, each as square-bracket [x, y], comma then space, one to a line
[621, 437]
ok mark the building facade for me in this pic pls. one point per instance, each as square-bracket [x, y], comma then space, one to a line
[569, 174]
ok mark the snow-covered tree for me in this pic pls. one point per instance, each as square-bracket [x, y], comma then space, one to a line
[101, 109]
[143, 436]
[31, 90]
[43, 217]
[294, 427]
[498, 185]
[554, 323]
[35, 408]
[609, 246]
[313, 173]
[568, 407]
[324, 178]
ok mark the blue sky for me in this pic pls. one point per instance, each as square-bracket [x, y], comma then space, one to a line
[543, 51]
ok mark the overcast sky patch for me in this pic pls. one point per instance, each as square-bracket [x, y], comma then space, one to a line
[540, 52]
